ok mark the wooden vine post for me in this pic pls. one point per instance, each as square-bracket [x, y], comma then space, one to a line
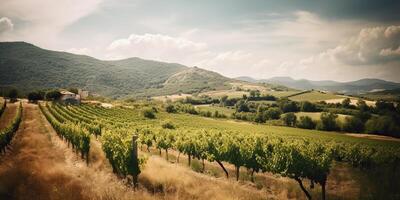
[135, 170]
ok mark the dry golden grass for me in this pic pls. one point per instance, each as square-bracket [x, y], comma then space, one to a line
[174, 97]
[173, 181]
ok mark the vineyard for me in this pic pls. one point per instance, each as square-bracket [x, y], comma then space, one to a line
[304, 157]
[7, 134]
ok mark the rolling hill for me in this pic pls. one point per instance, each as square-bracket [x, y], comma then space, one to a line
[197, 79]
[28, 67]
[352, 87]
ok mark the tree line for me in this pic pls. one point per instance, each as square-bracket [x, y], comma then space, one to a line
[383, 118]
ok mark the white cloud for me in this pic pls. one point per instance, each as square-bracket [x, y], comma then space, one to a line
[311, 31]
[373, 52]
[42, 20]
[239, 63]
[156, 46]
[5, 25]
[370, 46]
[390, 52]
[392, 31]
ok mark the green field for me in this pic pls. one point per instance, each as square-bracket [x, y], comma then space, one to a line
[316, 116]
[315, 96]
[280, 94]
[222, 110]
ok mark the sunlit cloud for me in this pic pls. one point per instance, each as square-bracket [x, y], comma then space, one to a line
[6, 25]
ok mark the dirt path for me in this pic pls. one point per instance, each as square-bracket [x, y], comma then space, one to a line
[8, 115]
[41, 166]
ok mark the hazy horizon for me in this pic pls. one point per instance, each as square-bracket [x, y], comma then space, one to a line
[325, 40]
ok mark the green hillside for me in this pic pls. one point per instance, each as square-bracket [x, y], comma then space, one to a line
[27, 67]
[196, 79]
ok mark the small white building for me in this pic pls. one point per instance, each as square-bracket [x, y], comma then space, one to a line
[69, 97]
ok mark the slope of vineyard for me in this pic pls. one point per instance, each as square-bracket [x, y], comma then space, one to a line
[299, 155]
[9, 125]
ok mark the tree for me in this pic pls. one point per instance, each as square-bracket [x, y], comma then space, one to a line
[346, 102]
[362, 106]
[149, 113]
[384, 125]
[13, 94]
[306, 122]
[260, 117]
[289, 119]
[254, 93]
[353, 124]
[363, 116]
[73, 90]
[273, 113]
[168, 125]
[383, 107]
[223, 100]
[170, 108]
[328, 122]
[288, 106]
[307, 106]
[241, 106]
[53, 95]
[35, 96]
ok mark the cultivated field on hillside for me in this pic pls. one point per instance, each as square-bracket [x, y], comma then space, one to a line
[222, 110]
[221, 93]
[314, 96]
[280, 94]
[317, 116]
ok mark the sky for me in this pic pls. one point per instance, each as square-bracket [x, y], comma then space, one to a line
[341, 40]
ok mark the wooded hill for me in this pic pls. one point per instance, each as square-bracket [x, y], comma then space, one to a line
[28, 67]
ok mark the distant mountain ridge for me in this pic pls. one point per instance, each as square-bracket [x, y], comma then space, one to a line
[352, 87]
[28, 67]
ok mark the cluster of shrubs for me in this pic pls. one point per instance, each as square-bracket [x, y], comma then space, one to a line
[150, 113]
[200, 100]
[35, 96]
[383, 119]
[168, 125]
[190, 109]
